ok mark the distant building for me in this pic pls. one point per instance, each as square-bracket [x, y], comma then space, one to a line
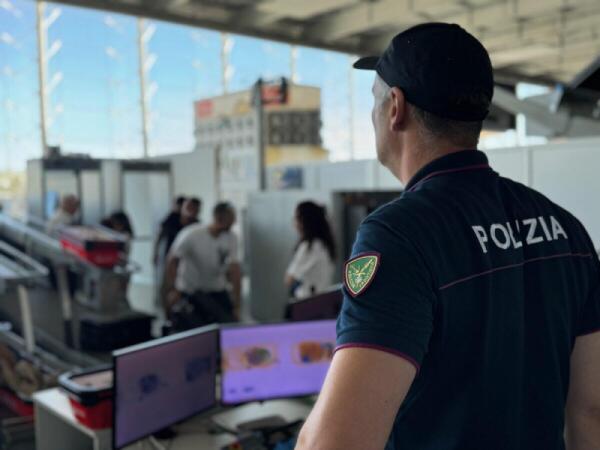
[228, 125]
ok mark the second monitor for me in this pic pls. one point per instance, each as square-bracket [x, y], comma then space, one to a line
[323, 306]
[162, 382]
[261, 362]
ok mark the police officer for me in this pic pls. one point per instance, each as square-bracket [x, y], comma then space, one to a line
[472, 303]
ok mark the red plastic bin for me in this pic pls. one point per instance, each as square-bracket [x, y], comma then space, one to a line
[93, 245]
[16, 404]
[91, 396]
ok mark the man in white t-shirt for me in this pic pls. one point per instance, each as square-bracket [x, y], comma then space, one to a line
[65, 215]
[203, 263]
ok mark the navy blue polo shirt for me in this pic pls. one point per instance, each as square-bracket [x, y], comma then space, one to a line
[483, 284]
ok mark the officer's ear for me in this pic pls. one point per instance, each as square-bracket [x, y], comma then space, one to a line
[398, 109]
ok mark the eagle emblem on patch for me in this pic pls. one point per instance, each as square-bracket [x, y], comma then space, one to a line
[360, 271]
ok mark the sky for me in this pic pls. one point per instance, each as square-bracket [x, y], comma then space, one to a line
[94, 90]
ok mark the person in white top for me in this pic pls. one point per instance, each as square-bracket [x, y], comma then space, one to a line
[311, 269]
[65, 214]
[203, 262]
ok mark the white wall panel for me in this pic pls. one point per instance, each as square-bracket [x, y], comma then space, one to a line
[194, 175]
[569, 174]
[509, 162]
[271, 242]
[347, 176]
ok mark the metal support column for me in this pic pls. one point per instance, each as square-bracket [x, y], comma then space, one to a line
[294, 64]
[26, 319]
[351, 106]
[143, 81]
[42, 71]
[224, 63]
[259, 108]
[62, 282]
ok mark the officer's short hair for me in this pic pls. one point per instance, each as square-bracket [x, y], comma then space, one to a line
[223, 208]
[457, 132]
[434, 127]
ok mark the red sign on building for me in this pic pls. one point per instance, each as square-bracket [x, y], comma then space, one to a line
[275, 94]
[204, 108]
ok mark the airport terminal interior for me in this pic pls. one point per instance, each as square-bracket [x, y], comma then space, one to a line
[138, 137]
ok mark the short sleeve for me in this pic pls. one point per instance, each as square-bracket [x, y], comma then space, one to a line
[589, 315]
[301, 262]
[182, 244]
[589, 321]
[393, 312]
[233, 256]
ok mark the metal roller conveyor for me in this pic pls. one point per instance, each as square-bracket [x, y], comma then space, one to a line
[96, 314]
[24, 366]
[40, 245]
[100, 289]
[19, 271]
[32, 241]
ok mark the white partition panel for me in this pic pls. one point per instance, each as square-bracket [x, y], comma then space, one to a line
[58, 184]
[271, 241]
[510, 162]
[92, 206]
[146, 198]
[111, 186]
[569, 174]
[194, 175]
[347, 176]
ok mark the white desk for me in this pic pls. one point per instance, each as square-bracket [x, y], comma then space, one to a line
[56, 428]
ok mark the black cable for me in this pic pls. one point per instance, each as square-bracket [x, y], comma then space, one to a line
[217, 428]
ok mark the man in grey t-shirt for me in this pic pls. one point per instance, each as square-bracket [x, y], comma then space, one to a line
[203, 265]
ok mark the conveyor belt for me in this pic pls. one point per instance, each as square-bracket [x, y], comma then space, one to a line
[16, 268]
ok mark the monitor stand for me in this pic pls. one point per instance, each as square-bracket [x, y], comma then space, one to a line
[262, 416]
[262, 423]
[165, 434]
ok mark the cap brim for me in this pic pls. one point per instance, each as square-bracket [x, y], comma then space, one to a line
[366, 63]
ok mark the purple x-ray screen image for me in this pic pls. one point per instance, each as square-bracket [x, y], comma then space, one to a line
[163, 383]
[262, 362]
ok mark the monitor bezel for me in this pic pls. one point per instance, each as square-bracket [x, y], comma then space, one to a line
[336, 289]
[159, 342]
[229, 326]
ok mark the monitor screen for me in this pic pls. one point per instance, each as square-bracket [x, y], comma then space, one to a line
[262, 362]
[163, 382]
[319, 307]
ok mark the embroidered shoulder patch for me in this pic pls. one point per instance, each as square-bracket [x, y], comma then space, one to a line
[360, 271]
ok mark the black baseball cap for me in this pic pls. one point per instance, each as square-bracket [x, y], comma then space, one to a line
[438, 67]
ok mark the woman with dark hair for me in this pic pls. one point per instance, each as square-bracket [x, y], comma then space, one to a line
[311, 269]
[119, 222]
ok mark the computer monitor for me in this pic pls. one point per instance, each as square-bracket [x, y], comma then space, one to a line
[326, 305]
[262, 362]
[162, 382]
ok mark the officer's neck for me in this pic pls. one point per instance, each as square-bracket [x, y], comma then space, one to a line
[417, 155]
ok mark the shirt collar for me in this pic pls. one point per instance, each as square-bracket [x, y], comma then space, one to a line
[462, 161]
